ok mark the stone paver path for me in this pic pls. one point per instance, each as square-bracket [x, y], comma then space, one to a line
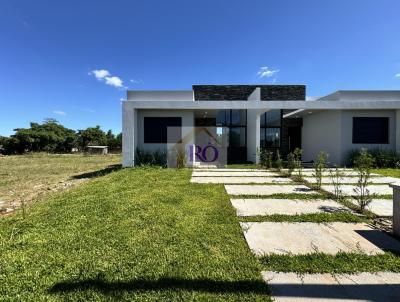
[234, 173]
[291, 287]
[380, 207]
[348, 190]
[254, 207]
[293, 238]
[353, 180]
[239, 180]
[267, 189]
[306, 237]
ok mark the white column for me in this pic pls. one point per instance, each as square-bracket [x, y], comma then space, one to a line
[129, 130]
[396, 209]
[397, 127]
[253, 128]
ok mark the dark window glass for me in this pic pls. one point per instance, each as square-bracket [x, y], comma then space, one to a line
[273, 118]
[237, 137]
[272, 137]
[262, 137]
[262, 120]
[370, 130]
[238, 117]
[222, 117]
[162, 130]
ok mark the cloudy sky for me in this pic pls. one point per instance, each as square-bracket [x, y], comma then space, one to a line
[74, 60]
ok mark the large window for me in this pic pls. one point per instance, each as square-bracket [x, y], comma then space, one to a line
[370, 130]
[270, 132]
[162, 130]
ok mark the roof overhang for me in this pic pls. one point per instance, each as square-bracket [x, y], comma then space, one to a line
[263, 105]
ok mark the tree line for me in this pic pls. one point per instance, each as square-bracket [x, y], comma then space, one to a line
[52, 137]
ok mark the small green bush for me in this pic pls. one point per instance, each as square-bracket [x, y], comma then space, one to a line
[278, 163]
[147, 158]
[265, 158]
[382, 158]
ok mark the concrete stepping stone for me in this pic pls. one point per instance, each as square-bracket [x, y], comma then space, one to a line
[229, 170]
[292, 287]
[307, 237]
[234, 173]
[254, 207]
[375, 180]
[380, 207]
[240, 180]
[348, 190]
[267, 189]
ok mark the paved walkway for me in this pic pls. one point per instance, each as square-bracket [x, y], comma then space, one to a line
[254, 193]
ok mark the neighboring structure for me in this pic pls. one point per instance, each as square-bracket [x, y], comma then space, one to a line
[103, 150]
[276, 117]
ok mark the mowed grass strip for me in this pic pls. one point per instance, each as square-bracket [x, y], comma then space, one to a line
[315, 196]
[133, 235]
[323, 263]
[313, 217]
[387, 172]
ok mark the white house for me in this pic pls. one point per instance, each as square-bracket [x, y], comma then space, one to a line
[276, 117]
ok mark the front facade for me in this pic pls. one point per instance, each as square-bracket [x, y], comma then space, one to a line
[252, 117]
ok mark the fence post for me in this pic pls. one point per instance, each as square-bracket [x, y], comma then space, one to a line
[396, 208]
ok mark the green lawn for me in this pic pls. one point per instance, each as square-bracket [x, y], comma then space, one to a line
[134, 235]
[25, 177]
[388, 172]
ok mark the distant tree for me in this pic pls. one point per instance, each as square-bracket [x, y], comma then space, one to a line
[114, 141]
[49, 137]
[91, 136]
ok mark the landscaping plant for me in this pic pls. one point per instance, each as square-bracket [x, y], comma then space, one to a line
[363, 163]
[290, 163]
[319, 167]
[297, 163]
[180, 158]
[278, 161]
[336, 178]
[265, 158]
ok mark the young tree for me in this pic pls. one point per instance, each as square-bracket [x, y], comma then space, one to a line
[290, 163]
[297, 162]
[363, 163]
[337, 178]
[278, 161]
[319, 167]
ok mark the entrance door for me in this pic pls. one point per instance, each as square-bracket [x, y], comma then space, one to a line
[294, 138]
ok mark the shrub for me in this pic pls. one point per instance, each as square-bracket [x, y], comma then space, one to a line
[297, 162]
[147, 158]
[265, 158]
[278, 161]
[363, 163]
[180, 158]
[382, 158]
[290, 163]
[336, 178]
[319, 167]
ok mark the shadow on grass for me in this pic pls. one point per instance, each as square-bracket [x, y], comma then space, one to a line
[102, 172]
[200, 285]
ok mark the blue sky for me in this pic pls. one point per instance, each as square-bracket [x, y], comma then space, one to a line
[49, 51]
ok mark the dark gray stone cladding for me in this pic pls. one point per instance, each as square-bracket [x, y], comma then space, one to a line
[242, 92]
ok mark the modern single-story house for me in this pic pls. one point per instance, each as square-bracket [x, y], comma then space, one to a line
[275, 117]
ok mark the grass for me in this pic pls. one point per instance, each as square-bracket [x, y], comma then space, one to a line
[314, 217]
[24, 177]
[339, 263]
[315, 196]
[132, 235]
[387, 172]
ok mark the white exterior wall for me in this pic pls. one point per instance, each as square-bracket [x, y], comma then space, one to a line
[187, 126]
[332, 131]
[321, 132]
[347, 131]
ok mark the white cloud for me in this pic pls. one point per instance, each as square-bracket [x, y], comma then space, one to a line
[100, 74]
[397, 75]
[122, 99]
[59, 112]
[105, 75]
[114, 81]
[266, 72]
